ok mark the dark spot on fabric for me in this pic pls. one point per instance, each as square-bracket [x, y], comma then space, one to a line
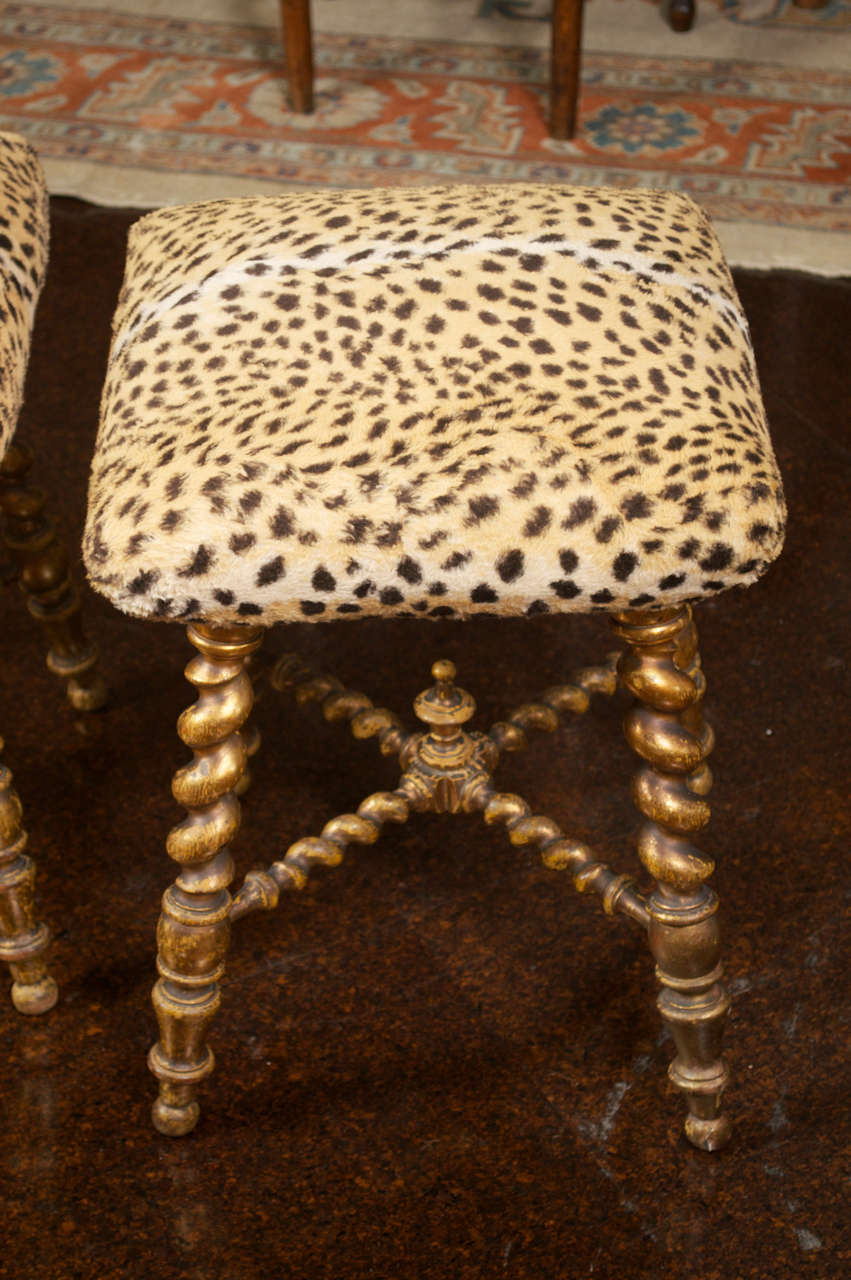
[538, 522]
[636, 507]
[510, 565]
[282, 524]
[623, 565]
[607, 528]
[565, 589]
[143, 582]
[271, 571]
[592, 314]
[409, 570]
[581, 510]
[671, 581]
[482, 508]
[720, 557]
[201, 563]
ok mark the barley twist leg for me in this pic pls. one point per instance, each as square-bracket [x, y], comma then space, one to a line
[194, 927]
[22, 941]
[665, 727]
[44, 574]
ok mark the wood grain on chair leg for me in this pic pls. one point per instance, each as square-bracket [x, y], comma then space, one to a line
[661, 667]
[22, 941]
[298, 50]
[44, 575]
[565, 62]
[194, 927]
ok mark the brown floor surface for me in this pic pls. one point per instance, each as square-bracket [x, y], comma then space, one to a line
[438, 1061]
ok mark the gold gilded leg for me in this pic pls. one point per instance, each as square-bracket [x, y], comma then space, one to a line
[661, 667]
[249, 732]
[43, 572]
[22, 941]
[194, 927]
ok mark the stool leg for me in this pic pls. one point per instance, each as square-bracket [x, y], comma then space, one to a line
[45, 579]
[22, 941]
[661, 667]
[194, 926]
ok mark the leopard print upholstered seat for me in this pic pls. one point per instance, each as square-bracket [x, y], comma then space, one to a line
[24, 232]
[433, 402]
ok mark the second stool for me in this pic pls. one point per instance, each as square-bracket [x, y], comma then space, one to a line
[38, 562]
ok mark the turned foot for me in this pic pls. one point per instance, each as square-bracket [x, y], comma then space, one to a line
[173, 1113]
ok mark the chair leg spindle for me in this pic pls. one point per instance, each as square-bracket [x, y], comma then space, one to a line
[194, 927]
[43, 572]
[661, 668]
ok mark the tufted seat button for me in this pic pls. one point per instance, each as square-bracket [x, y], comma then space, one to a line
[435, 402]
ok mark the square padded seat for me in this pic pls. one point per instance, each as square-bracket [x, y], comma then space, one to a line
[434, 402]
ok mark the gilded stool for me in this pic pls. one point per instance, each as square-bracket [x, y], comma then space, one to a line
[434, 403]
[37, 559]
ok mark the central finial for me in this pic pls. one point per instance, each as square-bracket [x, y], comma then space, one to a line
[444, 706]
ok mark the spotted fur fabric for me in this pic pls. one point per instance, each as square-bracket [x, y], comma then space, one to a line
[24, 232]
[434, 402]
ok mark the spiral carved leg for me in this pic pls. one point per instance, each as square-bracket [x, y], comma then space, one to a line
[22, 941]
[338, 703]
[194, 927]
[661, 668]
[249, 732]
[43, 572]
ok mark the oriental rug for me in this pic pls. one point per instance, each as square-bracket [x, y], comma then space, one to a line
[175, 100]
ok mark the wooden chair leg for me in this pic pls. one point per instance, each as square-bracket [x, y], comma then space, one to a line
[679, 14]
[22, 941]
[298, 50]
[44, 575]
[661, 667]
[565, 61]
[194, 927]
